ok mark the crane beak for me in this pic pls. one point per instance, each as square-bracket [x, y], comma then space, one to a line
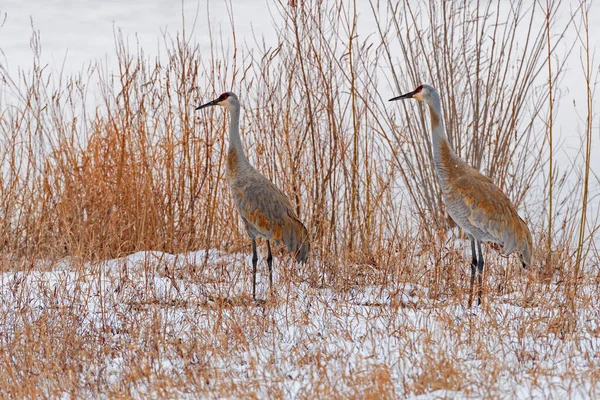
[404, 96]
[210, 103]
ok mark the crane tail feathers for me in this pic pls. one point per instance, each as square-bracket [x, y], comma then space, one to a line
[525, 257]
[302, 252]
[295, 238]
[526, 250]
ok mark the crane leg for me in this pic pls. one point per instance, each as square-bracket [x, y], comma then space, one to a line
[270, 264]
[473, 270]
[479, 272]
[254, 261]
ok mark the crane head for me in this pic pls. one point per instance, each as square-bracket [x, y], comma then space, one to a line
[422, 93]
[223, 100]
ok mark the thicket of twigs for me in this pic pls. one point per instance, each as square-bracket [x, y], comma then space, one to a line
[106, 163]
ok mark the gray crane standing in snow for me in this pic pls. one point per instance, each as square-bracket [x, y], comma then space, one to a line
[473, 201]
[265, 210]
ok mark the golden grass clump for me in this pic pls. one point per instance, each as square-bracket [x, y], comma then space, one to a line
[125, 267]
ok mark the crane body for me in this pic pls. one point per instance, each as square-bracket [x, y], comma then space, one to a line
[473, 201]
[266, 212]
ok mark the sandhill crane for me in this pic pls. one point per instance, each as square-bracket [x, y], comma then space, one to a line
[473, 201]
[265, 210]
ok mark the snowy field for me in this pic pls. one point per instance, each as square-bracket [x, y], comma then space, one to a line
[392, 324]
[185, 326]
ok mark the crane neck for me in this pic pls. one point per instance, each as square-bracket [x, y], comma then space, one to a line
[443, 154]
[235, 141]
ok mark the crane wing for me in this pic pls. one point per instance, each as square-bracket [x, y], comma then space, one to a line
[488, 209]
[268, 213]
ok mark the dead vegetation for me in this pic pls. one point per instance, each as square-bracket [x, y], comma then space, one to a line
[379, 310]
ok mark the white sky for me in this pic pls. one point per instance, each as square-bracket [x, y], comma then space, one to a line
[76, 33]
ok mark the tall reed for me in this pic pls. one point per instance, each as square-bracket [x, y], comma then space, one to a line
[140, 169]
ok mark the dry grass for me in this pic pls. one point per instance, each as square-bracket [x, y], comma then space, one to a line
[145, 324]
[101, 201]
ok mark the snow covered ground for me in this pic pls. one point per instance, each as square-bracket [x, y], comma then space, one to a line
[185, 326]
